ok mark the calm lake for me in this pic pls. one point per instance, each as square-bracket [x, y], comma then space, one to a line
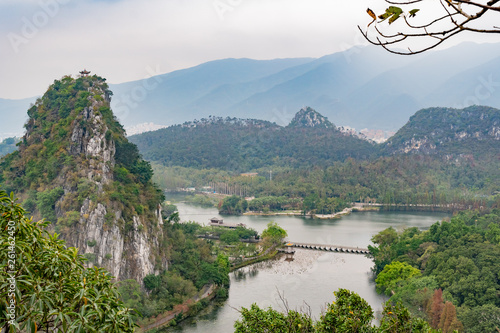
[309, 281]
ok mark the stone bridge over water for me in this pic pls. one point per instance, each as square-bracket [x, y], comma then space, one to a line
[324, 247]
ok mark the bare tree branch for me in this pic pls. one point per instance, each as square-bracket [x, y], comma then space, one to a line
[402, 2]
[456, 16]
[487, 6]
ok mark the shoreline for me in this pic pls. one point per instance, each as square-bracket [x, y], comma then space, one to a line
[180, 311]
[337, 215]
[356, 207]
[362, 208]
[189, 308]
[268, 254]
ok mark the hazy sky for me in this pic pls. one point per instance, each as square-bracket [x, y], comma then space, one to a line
[122, 40]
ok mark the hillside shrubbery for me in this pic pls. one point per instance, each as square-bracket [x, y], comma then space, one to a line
[46, 283]
[459, 262]
[348, 313]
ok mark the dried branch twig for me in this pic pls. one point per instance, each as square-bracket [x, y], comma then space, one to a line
[456, 17]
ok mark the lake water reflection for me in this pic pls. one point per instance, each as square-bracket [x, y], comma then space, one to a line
[313, 276]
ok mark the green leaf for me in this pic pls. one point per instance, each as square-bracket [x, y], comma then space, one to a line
[392, 13]
[40, 291]
[413, 12]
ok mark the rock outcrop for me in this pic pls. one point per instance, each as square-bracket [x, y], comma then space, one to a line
[449, 132]
[76, 168]
[308, 117]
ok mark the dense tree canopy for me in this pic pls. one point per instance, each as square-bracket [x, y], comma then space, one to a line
[443, 157]
[274, 234]
[244, 144]
[349, 313]
[459, 262]
[233, 205]
[44, 284]
[393, 275]
[397, 180]
[191, 267]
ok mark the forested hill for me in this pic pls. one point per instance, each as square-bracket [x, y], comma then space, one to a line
[474, 130]
[76, 168]
[311, 139]
[239, 145]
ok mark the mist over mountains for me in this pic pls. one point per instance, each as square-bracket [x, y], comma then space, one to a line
[363, 87]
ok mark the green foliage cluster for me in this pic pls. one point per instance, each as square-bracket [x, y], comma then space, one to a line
[162, 293]
[313, 204]
[46, 202]
[237, 233]
[393, 275]
[274, 234]
[403, 180]
[129, 163]
[272, 203]
[168, 210]
[460, 257]
[202, 200]
[234, 205]
[134, 198]
[349, 313]
[256, 319]
[396, 318]
[192, 257]
[230, 242]
[51, 288]
[192, 265]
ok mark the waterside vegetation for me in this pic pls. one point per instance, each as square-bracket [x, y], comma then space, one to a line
[447, 275]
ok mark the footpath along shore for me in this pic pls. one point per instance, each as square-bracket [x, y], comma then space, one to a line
[207, 292]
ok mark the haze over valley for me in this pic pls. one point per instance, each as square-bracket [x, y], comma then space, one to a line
[249, 166]
[361, 88]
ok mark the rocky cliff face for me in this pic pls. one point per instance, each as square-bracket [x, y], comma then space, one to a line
[76, 168]
[449, 131]
[130, 256]
[308, 117]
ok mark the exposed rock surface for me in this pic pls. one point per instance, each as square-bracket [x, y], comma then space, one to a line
[308, 117]
[449, 131]
[93, 210]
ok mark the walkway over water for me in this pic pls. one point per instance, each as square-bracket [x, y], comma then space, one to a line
[331, 248]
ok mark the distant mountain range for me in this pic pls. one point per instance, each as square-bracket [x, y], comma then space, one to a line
[364, 87]
[311, 140]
